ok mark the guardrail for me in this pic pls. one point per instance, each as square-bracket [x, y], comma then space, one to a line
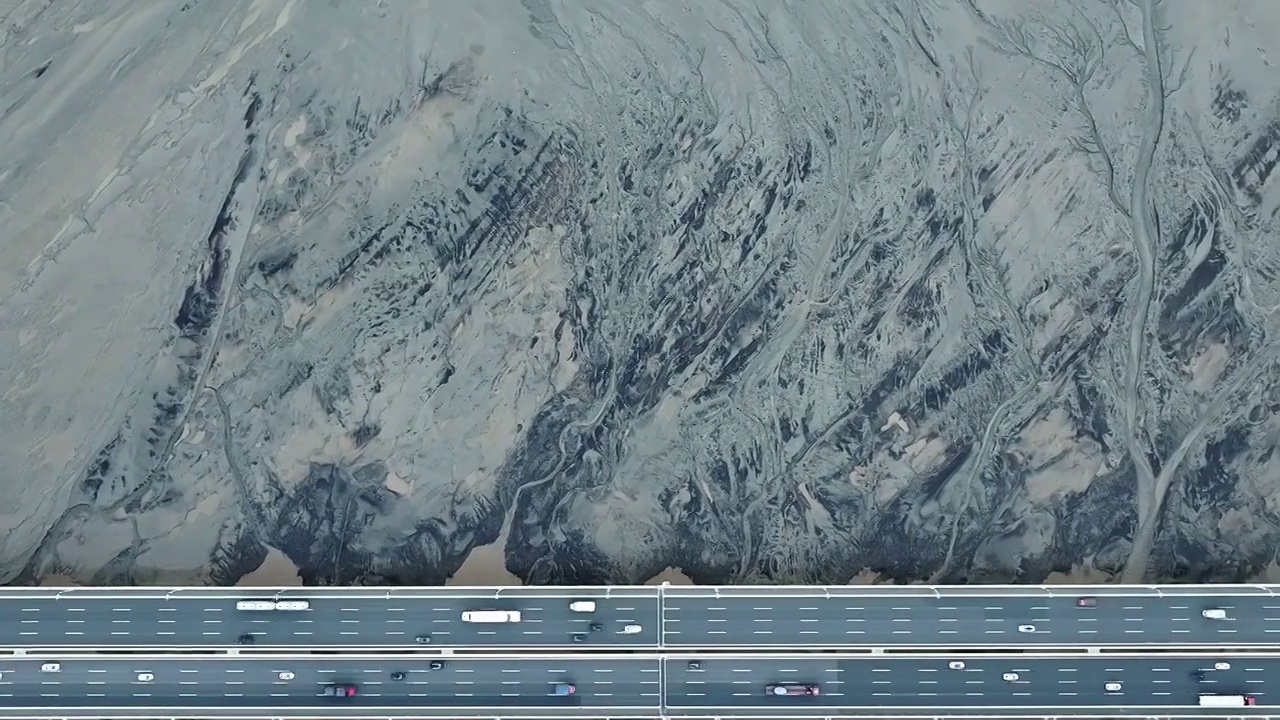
[649, 591]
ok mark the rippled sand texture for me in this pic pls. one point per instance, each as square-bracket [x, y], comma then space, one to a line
[788, 291]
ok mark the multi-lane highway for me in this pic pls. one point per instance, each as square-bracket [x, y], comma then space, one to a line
[969, 621]
[688, 652]
[636, 685]
[298, 682]
[350, 619]
[673, 617]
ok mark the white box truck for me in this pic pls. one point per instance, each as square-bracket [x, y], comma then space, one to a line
[491, 616]
[1227, 700]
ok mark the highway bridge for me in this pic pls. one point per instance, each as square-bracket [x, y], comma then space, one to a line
[701, 652]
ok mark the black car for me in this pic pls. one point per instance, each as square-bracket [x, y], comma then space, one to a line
[397, 675]
[245, 639]
[423, 639]
[579, 637]
[1198, 675]
[597, 627]
[695, 665]
[437, 665]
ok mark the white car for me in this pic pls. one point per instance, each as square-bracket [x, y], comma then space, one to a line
[1027, 628]
[582, 606]
[1010, 677]
[146, 677]
[1222, 666]
[956, 665]
[1112, 687]
[51, 667]
[286, 675]
[293, 605]
[631, 629]
[1214, 613]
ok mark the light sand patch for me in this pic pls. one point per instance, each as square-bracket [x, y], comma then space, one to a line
[1059, 461]
[866, 577]
[276, 571]
[671, 576]
[1079, 575]
[1207, 366]
[397, 484]
[486, 565]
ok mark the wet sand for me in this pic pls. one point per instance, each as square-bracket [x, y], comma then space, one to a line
[486, 565]
[276, 571]
[671, 575]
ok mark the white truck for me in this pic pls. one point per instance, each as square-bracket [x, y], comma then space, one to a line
[491, 616]
[1227, 700]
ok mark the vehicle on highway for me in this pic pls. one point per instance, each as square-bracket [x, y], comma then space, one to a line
[255, 605]
[245, 639]
[695, 665]
[286, 675]
[1010, 677]
[631, 629]
[783, 689]
[293, 605]
[491, 616]
[1087, 602]
[956, 665]
[1227, 700]
[146, 677]
[1027, 628]
[339, 690]
[397, 675]
[1112, 687]
[597, 627]
[422, 639]
[1214, 613]
[436, 665]
[563, 689]
[51, 667]
[1222, 666]
[579, 637]
[1198, 675]
[584, 606]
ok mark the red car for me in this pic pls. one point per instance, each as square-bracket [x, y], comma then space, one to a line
[782, 689]
[1087, 602]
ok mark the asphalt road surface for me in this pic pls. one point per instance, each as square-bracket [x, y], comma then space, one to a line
[691, 617]
[631, 686]
[1073, 683]
[244, 682]
[784, 622]
[202, 620]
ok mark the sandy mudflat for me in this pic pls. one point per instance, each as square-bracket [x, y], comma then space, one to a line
[670, 575]
[276, 571]
[486, 565]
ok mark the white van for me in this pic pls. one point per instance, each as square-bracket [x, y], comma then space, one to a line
[491, 616]
[1214, 613]
[582, 606]
[255, 605]
[293, 605]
